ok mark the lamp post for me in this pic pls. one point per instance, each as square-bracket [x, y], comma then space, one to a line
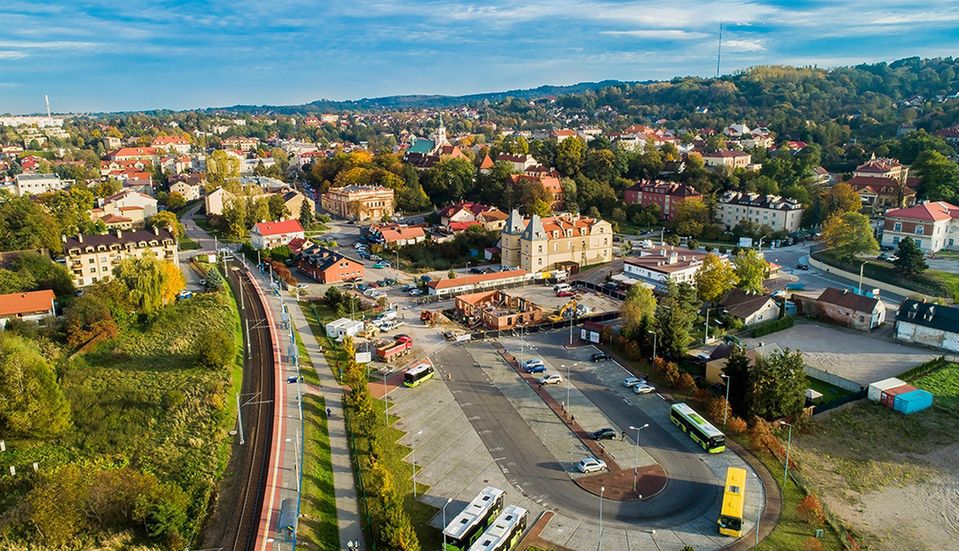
[636, 464]
[726, 405]
[599, 544]
[568, 383]
[448, 501]
[861, 266]
[413, 453]
[789, 442]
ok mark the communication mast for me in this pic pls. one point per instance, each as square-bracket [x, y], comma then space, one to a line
[46, 99]
[719, 51]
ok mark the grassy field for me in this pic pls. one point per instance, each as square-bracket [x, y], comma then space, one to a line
[829, 392]
[318, 525]
[948, 280]
[187, 244]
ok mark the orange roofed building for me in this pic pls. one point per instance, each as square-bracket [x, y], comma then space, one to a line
[560, 242]
[30, 306]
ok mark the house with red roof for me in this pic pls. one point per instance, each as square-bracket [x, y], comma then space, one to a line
[29, 306]
[882, 192]
[267, 235]
[177, 144]
[135, 154]
[460, 216]
[933, 225]
[666, 195]
[397, 235]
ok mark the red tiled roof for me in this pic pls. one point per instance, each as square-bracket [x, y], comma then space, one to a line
[462, 226]
[446, 283]
[135, 151]
[929, 212]
[278, 228]
[26, 303]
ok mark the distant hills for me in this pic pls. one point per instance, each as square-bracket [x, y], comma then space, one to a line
[421, 101]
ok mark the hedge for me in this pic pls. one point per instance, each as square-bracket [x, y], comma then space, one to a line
[768, 327]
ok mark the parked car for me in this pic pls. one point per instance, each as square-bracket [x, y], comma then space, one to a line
[537, 368]
[551, 379]
[802, 266]
[374, 284]
[475, 270]
[599, 357]
[348, 285]
[388, 282]
[591, 465]
[644, 389]
[605, 433]
[425, 278]
[375, 258]
[564, 294]
[449, 335]
[631, 382]
[369, 292]
[362, 287]
[380, 265]
[415, 293]
[532, 361]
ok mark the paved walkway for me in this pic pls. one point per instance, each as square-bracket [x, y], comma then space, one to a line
[347, 504]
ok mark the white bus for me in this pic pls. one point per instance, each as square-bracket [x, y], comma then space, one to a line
[699, 429]
[505, 532]
[467, 526]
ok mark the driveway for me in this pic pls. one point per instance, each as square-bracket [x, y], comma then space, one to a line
[854, 355]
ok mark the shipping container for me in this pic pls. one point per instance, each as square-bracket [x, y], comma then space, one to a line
[912, 402]
[875, 389]
[888, 397]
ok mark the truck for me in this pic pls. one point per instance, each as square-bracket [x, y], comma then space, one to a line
[399, 347]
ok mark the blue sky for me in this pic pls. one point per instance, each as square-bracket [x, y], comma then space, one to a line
[94, 55]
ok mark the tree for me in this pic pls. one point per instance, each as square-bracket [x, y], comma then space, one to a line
[25, 225]
[910, 259]
[848, 234]
[938, 176]
[56, 504]
[89, 318]
[215, 348]
[840, 198]
[149, 283]
[306, 214]
[738, 376]
[638, 308]
[277, 208]
[570, 154]
[450, 180]
[175, 200]
[750, 267]
[714, 278]
[221, 167]
[777, 384]
[31, 402]
[691, 217]
[166, 219]
[32, 272]
[675, 316]
[234, 219]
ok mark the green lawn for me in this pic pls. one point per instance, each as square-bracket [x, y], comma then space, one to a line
[948, 280]
[318, 525]
[187, 244]
[829, 392]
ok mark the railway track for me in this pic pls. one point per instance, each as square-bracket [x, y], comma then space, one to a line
[257, 405]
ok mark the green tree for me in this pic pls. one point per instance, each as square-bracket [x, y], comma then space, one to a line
[215, 348]
[777, 384]
[690, 219]
[600, 164]
[145, 280]
[738, 375]
[675, 316]
[221, 167]
[32, 272]
[306, 214]
[450, 180]
[840, 198]
[175, 200]
[277, 208]
[31, 402]
[570, 154]
[166, 219]
[234, 219]
[714, 278]
[56, 504]
[25, 225]
[848, 234]
[938, 177]
[638, 307]
[750, 267]
[910, 259]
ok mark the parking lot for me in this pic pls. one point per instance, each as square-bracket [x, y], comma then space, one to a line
[860, 357]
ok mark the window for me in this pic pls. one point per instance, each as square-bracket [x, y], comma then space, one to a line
[895, 240]
[897, 226]
[920, 230]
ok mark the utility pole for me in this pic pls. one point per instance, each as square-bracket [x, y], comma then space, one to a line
[249, 348]
[239, 418]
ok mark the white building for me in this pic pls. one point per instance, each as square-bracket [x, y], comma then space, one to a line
[928, 324]
[343, 327]
[660, 265]
[29, 306]
[267, 235]
[765, 210]
[35, 184]
[92, 258]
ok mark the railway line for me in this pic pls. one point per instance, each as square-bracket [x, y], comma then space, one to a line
[256, 400]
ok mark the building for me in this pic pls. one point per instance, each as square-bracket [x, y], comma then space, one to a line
[932, 225]
[177, 144]
[750, 308]
[844, 307]
[564, 241]
[267, 235]
[550, 183]
[882, 168]
[397, 235]
[928, 324]
[343, 327]
[764, 210]
[35, 184]
[29, 306]
[125, 209]
[359, 202]
[216, 201]
[147, 154]
[294, 200]
[328, 266]
[880, 193]
[473, 283]
[660, 265]
[496, 310]
[666, 195]
[241, 143]
[190, 192]
[715, 362]
[92, 258]
[727, 158]
[459, 216]
[518, 163]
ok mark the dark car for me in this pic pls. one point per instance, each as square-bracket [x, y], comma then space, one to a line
[475, 270]
[604, 434]
[599, 357]
[802, 266]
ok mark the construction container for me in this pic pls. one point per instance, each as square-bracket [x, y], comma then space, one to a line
[875, 389]
[913, 401]
[888, 396]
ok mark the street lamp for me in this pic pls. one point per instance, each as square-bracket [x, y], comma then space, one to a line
[861, 266]
[413, 453]
[726, 406]
[789, 442]
[568, 383]
[448, 501]
[636, 464]
[599, 544]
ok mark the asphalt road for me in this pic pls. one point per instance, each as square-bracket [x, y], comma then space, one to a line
[690, 493]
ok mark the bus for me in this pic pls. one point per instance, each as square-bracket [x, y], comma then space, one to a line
[699, 429]
[505, 532]
[467, 526]
[734, 497]
[417, 375]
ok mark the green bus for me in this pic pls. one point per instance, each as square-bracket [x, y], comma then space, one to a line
[467, 526]
[417, 375]
[505, 532]
[700, 430]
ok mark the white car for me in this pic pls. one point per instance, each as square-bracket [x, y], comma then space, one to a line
[631, 382]
[369, 292]
[532, 361]
[551, 379]
[591, 465]
[644, 389]
[415, 293]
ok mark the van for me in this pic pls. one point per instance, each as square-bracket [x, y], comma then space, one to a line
[560, 287]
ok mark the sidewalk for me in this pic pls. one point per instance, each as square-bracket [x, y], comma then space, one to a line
[347, 504]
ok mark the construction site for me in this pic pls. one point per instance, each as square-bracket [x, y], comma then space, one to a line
[526, 306]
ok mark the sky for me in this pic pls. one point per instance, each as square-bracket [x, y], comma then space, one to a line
[95, 55]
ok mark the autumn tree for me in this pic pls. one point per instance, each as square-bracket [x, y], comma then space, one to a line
[690, 218]
[150, 283]
[848, 234]
[638, 309]
[31, 402]
[175, 200]
[221, 167]
[750, 268]
[89, 318]
[714, 278]
[166, 219]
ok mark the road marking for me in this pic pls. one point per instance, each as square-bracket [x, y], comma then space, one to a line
[498, 458]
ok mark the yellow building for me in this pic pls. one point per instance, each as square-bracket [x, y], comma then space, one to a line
[92, 258]
[557, 242]
[359, 202]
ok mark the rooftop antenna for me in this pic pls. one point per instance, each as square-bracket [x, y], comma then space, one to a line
[46, 99]
[719, 50]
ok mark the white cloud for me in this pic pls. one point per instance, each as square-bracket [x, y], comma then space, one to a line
[48, 45]
[12, 54]
[663, 34]
[743, 45]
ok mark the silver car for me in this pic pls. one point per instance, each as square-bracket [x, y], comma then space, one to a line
[591, 465]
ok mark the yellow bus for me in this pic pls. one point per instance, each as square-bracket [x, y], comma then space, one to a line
[734, 497]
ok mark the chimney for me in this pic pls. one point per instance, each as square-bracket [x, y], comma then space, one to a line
[156, 231]
[63, 237]
[119, 233]
[80, 237]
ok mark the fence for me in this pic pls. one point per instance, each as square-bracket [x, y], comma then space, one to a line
[833, 404]
[834, 380]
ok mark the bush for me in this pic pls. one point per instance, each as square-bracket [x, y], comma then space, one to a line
[812, 544]
[215, 348]
[772, 326]
[810, 509]
[686, 383]
[761, 437]
[736, 425]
